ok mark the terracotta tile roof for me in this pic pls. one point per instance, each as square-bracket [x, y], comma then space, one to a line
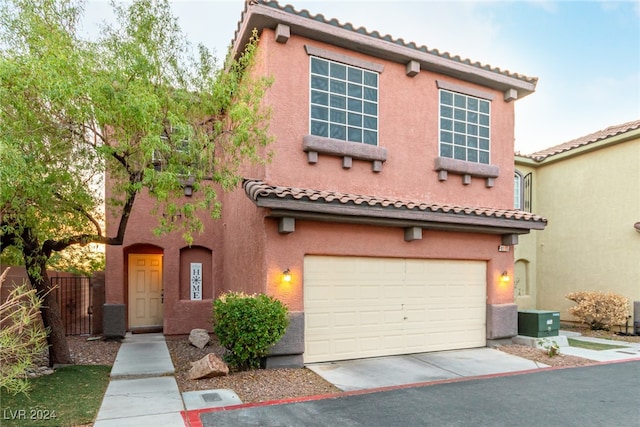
[585, 140]
[256, 189]
[304, 13]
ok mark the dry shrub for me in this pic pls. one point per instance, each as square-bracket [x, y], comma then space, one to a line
[600, 310]
[22, 337]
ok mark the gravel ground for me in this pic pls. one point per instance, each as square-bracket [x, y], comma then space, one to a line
[274, 384]
[258, 385]
[541, 356]
[91, 351]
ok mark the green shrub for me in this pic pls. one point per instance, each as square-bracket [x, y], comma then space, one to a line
[247, 326]
[600, 310]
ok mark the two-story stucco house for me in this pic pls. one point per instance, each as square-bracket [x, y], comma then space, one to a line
[385, 220]
[589, 190]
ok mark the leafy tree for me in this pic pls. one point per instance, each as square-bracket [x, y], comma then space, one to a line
[137, 105]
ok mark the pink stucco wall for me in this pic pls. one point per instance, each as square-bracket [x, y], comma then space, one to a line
[139, 238]
[408, 129]
[278, 252]
[319, 238]
[248, 252]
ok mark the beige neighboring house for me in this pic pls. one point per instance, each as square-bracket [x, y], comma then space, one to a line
[589, 191]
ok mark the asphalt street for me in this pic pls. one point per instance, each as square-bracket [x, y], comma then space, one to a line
[601, 395]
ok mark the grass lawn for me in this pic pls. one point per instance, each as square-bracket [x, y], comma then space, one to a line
[592, 345]
[70, 396]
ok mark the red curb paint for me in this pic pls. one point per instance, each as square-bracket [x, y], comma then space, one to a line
[192, 418]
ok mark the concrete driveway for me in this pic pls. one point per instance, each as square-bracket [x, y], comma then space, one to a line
[389, 371]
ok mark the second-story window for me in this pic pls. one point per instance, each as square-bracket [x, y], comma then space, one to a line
[464, 127]
[344, 102]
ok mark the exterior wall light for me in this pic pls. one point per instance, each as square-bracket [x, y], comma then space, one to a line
[637, 226]
[286, 276]
[505, 277]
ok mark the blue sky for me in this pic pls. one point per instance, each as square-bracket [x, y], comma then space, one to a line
[585, 53]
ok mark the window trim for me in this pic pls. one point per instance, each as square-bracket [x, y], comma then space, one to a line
[446, 165]
[314, 145]
[453, 132]
[465, 90]
[348, 150]
[344, 59]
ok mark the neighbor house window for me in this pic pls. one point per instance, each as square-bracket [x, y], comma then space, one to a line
[517, 190]
[344, 102]
[464, 127]
[522, 191]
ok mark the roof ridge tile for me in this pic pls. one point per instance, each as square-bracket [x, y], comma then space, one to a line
[581, 141]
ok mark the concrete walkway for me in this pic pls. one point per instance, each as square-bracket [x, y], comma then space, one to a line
[628, 350]
[142, 390]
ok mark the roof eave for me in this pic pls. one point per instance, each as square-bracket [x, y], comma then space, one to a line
[587, 147]
[390, 217]
[259, 16]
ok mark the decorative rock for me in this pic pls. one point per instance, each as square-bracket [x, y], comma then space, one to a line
[199, 337]
[207, 367]
[38, 371]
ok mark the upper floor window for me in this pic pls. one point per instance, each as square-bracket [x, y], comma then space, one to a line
[464, 127]
[344, 102]
[177, 141]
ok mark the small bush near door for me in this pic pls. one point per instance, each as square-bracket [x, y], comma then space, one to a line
[247, 326]
[600, 310]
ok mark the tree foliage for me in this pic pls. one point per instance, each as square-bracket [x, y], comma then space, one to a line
[137, 104]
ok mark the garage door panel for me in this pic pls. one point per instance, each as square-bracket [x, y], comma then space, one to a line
[368, 292]
[368, 344]
[415, 317]
[318, 293]
[313, 320]
[344, 319]
[416, 291]
[363, 307]
[343, 346]
[370, 318]
[393, 342]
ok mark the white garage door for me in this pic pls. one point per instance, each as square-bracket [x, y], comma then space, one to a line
[364, 307]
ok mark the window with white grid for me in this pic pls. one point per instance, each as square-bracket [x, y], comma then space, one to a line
[464, 127]
[344, 102]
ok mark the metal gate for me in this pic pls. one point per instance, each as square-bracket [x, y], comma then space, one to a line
[74, 297]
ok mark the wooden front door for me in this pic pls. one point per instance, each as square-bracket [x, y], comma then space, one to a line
[145, 290]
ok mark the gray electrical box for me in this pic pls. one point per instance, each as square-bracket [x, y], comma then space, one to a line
[113, 324]
[538, 323]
